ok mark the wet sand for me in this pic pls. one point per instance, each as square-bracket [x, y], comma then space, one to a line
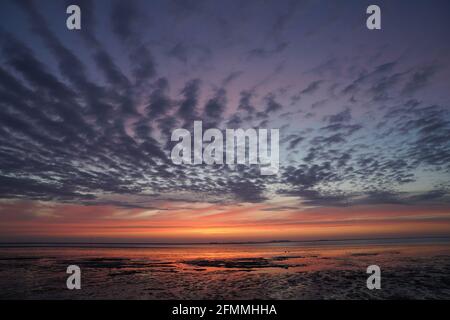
[269, 271]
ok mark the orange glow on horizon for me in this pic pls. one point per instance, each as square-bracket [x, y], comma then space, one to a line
[211, 222]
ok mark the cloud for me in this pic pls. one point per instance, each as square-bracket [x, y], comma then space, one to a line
[420, 79]
[180, 52]
[293, 143]
[272, 104]
[126, 20]
[188, 105]
[343, 116]
[214, 109]
[159, 101]
[312, 87]
[90, 116]
[231, 77]
[264, 53]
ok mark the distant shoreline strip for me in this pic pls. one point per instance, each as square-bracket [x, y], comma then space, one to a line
[181, 244]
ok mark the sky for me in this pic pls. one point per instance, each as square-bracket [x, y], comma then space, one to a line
[86, 118]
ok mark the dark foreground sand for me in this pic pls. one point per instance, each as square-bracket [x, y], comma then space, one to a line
[228, 272]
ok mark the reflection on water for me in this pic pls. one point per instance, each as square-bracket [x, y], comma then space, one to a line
[328, 270]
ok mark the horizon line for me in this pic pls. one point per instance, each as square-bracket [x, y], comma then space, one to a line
[66, 243]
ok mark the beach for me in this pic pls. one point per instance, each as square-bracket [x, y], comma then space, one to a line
[285, 270]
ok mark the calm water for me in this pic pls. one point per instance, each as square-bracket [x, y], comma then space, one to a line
[411, 269]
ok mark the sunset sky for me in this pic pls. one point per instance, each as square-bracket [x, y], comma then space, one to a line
[86, 118]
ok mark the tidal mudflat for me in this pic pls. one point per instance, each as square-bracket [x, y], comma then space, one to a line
[328, 270]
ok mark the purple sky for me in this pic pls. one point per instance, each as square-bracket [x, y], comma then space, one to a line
[364, 115]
